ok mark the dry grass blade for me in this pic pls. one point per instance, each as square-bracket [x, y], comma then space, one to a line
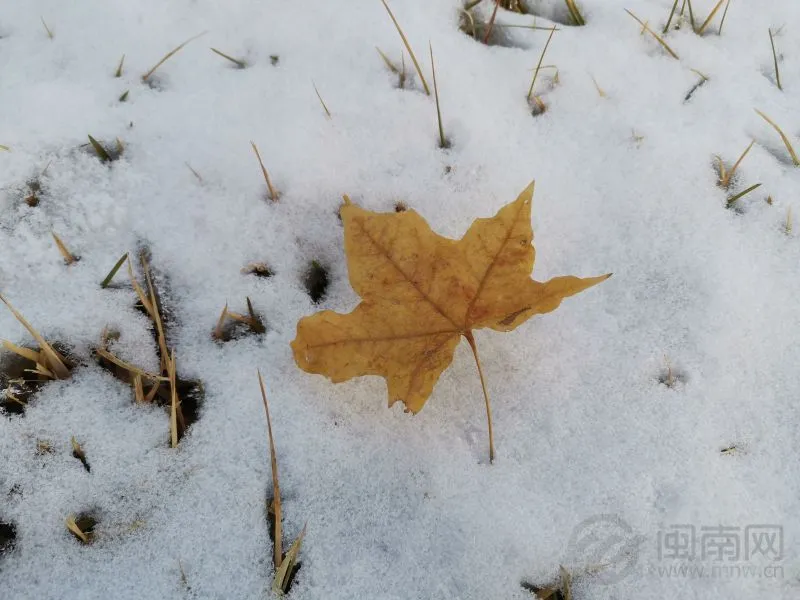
[255, 322]
[124, 96]
[408, 47]
[47, 29]
[69, 258]
[724, 14]
[280, 584]
[654, 34]
[238, 62]
[709, 18]
[390, 65]
[541, 58]
[10, 396]
[727, 176]
[219, 330]
[5, 148]
[102, 153]
[273, 193]
[775, 61]
[741, 194]
[27, 353]
[77, 452]
[600, 91]
[118, 72]
[276, 489]
[785, 139]
[139, 291]
[173, 405]
[133, 370]
[691, 15]
[491, 22]
[55, 361]
[669, 20]
[73, 528]
[443, 143]
[105, 283]
[577, 18]
[788, 227]
[138, 389]
[169, 55]
[156, 314]
[321, 101]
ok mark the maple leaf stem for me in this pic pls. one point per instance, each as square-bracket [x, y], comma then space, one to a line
[471, 341]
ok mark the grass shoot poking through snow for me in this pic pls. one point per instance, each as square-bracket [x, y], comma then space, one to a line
[146, 77]
[539, 64]
[657, 37]
[775, 61]
[69, 257]
[443, 141]
[107, 280]
[239, 63]
[786, 142]
[48, 361]
[273, 193]
[408, 47]
[321, 101]
[726, 175]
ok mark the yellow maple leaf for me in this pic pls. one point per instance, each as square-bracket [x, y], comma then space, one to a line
[421, 292]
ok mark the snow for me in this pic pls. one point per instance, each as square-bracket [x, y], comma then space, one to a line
[400, 506]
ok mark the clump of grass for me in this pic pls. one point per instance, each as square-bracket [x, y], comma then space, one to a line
[69, 257]
[726, 175]
[146, 77]
[273, 193]
[408, 48]
[444, 143]
[657, 37]
[786, 142]
[230, 324]
[321, 101]
[775, 61]
[238, 62]
[49, 363]
[107, 155]
[165, 388]
[286, 565]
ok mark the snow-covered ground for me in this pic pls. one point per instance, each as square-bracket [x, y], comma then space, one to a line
[667, 396]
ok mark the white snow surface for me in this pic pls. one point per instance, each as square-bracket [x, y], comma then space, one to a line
[401, 506]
